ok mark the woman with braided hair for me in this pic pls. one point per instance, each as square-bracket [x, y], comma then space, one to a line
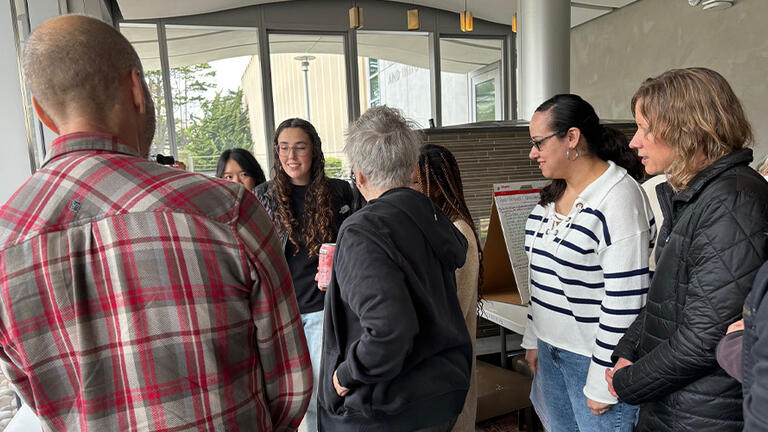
[307, 209]
[437, 176]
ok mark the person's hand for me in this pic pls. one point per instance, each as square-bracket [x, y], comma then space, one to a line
[532, 358]
[738, 325]
[321, 288]
[598, 408]
[622, 363]
[341, 391]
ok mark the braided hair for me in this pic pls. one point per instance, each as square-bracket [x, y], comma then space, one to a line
[439, 178]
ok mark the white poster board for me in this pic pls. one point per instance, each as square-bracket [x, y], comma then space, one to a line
[514, 202]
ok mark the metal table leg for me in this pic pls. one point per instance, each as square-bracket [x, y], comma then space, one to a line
[503, 333]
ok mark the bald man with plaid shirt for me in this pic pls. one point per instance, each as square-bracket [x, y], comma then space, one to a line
[135, 296]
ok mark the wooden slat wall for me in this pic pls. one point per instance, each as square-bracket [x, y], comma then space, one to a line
[489, 156]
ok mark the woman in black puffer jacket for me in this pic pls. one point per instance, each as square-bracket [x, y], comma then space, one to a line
[691, 126]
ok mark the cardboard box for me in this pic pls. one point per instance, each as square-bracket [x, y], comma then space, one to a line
[498, 278]
[500, 391]
[503, 252]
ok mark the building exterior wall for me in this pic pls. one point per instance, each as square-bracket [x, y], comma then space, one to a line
[327, 95]
[400, 85]
[612, 55]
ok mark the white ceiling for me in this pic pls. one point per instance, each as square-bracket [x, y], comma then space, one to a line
[489, 10]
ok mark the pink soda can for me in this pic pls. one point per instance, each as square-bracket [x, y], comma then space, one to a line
[325, 264]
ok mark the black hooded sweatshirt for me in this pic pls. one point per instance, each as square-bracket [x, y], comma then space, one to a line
[393, 327]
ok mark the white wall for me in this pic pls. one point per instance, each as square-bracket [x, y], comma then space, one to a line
[612, 55]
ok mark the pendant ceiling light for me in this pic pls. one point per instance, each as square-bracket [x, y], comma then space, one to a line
[413, 19]
[716, 4]
[465, 19]
[355, 17]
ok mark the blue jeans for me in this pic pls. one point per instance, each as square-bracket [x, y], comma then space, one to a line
[313, 330]
[561, 378]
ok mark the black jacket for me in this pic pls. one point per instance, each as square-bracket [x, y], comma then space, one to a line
[755, 360]
[341, 201]
[393, 326]
[710, 247]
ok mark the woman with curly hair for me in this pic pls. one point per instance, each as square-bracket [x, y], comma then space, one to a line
[437, 176]
[307, 209]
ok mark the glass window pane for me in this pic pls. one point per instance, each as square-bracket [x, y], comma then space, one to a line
[36, 133]
[399, 76]
[373, 66]
[143, 37]
[216, 91]
[485, 97]
[309, 82]
[374, 86]
[470, 77]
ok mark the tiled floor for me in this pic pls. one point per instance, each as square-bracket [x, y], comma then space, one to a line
[507, 423]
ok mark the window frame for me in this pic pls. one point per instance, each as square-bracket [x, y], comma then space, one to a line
[330, 17]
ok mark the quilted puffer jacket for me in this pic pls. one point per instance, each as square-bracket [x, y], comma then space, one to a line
[710, 247]
[755, 351]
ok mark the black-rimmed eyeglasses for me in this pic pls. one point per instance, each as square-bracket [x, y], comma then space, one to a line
[537, 143]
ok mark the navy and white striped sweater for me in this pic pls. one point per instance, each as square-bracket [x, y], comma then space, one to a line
[589, 272]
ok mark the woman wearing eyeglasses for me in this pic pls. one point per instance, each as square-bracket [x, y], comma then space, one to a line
[588, 242]
[307, 209]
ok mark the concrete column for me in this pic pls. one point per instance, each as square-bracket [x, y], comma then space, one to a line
[544, 57]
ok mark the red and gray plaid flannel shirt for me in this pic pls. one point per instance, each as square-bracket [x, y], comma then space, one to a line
[141, 297]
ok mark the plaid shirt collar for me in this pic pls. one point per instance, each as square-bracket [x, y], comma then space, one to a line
[87, 141]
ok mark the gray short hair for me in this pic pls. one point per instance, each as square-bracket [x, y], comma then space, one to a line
[384, 146]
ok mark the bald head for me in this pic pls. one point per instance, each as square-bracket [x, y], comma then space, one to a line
[76, 66]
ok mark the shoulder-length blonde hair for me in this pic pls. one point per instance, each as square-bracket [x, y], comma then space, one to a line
[692, 110]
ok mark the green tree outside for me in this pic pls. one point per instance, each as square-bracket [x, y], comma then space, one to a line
[223, 125]
[333, 167]
[204, 127]
[188, 87]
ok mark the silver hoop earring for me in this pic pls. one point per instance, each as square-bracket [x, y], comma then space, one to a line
[568, 154]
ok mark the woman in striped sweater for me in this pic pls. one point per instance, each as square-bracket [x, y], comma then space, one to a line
[588, 242]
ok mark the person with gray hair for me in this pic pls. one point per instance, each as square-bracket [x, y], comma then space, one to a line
[396, 351]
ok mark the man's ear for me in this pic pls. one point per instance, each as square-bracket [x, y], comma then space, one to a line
[362, 180]
[136, 85]
[44, 117]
